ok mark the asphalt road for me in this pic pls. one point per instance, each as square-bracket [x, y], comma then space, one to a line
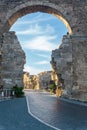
[58, 113]
[14, 116]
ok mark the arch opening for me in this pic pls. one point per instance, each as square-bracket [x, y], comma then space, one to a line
[55, 78]
[15, 14]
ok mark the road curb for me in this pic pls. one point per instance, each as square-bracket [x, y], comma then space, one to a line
[73, 101]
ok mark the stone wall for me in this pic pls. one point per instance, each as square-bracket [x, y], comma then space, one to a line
[33, 82]
[1, 85]
[39, 81]
[79, 49]
[62, 62]
[30, 81]
[54, 76]
[44, 79]
[13, 59]
[26, 76]
[70, 64]
[71, 12]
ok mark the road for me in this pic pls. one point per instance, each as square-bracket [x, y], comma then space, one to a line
[14, 116]
[55, 112]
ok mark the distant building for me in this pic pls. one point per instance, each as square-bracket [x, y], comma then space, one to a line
[44, 79]
[30, 81]
[26, 80]
[40, 81]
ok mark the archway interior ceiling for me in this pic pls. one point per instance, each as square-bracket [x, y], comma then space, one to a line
[39, 8]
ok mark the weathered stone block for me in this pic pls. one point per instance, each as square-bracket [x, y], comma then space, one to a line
[13, 59]
[72, 66]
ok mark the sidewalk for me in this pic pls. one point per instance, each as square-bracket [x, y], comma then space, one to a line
[14, 116]
[4, 98]
[77, 102]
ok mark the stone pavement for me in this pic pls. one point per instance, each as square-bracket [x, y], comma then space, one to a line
[14, 116]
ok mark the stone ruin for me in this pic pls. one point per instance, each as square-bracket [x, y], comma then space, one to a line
[70, 64]
[12, 60]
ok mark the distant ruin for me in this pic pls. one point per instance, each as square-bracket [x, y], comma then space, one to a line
[40, 81]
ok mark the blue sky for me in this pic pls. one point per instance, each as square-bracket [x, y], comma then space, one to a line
[39, 34]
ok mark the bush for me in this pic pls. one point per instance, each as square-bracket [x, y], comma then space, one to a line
[53, 86]
[18, 91]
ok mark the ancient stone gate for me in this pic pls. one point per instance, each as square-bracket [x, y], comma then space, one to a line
[73, 49]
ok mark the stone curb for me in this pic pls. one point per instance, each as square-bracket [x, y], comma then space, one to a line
[77, 102]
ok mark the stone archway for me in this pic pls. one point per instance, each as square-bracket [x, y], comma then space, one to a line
[23, 9]
[73, 14]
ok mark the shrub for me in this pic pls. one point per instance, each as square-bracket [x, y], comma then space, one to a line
[53, 86]
[18, 91]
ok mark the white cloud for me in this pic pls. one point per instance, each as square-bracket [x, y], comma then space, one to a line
[49, 29]
[37, 29]
[44, 56]
[42, 62]
[37, 19]
[43, 43]
[33, 30]
[32, 70]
